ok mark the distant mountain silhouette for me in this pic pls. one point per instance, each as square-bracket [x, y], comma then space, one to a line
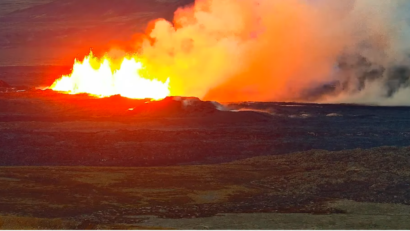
[101, 10]
[9, 6]
[3, 84]
[56, 32]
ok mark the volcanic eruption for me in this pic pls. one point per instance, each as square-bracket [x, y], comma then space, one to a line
[259, 50]
[101, 78]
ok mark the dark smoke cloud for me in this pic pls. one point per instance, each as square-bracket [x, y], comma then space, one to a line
[375, 69]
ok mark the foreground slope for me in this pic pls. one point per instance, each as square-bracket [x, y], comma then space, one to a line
[356, 188]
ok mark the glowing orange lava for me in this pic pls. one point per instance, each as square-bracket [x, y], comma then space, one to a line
[100, 77]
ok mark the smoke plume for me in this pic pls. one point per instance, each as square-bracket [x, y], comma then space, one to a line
[351, 51]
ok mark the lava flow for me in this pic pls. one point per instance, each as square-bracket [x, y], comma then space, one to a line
[102, 78]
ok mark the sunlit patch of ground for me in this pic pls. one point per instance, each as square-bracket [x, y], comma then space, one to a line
[27, 222]
[358, 216]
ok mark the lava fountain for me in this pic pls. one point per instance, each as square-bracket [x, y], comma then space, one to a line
[104, 77]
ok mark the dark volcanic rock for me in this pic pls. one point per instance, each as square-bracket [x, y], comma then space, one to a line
[181, 130]
[33, 104]
[172, 106]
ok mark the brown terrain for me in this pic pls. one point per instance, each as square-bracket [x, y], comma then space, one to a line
[356, 189]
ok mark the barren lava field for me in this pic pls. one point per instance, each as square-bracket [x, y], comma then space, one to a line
[75, 161]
